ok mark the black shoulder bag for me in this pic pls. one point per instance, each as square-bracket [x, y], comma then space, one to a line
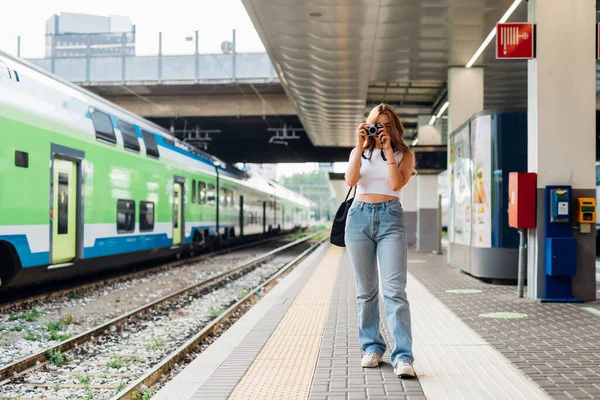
[339, 222]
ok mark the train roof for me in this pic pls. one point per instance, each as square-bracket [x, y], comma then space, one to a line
[159, 130]
[225, 169]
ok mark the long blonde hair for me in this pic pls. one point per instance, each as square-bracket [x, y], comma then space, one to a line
[397, 131]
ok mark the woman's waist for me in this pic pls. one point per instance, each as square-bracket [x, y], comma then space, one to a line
[374, 198]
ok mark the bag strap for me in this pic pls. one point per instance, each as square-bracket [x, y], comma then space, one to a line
[350, 190]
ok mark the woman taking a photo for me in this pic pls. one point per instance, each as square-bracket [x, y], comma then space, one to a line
[380, 165]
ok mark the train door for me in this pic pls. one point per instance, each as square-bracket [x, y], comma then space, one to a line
[64, 211]
[177, 209]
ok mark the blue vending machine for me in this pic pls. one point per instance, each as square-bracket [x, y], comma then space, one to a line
[561, 246]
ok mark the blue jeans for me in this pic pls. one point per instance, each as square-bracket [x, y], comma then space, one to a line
[377, 230]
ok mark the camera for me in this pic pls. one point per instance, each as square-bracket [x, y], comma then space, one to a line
[373, 129]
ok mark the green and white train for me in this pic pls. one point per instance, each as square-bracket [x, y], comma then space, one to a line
[86, 185]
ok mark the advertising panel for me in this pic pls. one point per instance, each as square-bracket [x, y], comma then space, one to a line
[462, 187]
[482, 175]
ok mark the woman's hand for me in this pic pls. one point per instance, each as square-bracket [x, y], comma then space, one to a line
[361, 136]
[385, 142]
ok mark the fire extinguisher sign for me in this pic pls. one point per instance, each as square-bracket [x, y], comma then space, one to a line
[515, 41]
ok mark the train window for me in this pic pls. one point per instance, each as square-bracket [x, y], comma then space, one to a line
[150, 142]
[146, 216]
[230, 198]
[125, 216]
[21, 159]
[130, 139]
[193, 191]
[222, 197]
[63, 204]
[103, 126]
[201, 193]
[210, 195]
[175, 210]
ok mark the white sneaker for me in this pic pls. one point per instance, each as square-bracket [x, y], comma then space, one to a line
[404, 369]
[371, 360]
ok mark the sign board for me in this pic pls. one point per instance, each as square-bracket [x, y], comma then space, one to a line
[515, 41]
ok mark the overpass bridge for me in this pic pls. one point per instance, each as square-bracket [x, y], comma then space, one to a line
[231, 103]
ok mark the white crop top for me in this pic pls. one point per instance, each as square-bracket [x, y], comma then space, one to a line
[374, 174]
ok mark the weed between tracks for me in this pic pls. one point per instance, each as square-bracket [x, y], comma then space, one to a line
[29, 316]
[57, 358]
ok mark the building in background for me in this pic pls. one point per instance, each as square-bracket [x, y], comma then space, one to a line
[74, 35]
[269, 171]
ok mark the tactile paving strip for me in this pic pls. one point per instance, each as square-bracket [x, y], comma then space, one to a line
[285, 367]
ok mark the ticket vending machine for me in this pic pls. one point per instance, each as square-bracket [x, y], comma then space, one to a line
[561, 246]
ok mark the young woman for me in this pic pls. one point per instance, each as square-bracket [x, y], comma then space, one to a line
[380, 165]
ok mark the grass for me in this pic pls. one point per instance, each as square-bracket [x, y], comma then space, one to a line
[215, 312]
[31, 336]
[297, 236]
[15, 329]
[57, 387]
[84, 379]
[73, 295]
[148, 393]
[68, 320]
[318, 228]
[54, 335]
[54, 328]
[120, 387]
[243, 293]
[116, 362]
[55, 357]
[156, 343]
[29, 316]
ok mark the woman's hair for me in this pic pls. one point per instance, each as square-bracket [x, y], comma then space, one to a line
[396, 133]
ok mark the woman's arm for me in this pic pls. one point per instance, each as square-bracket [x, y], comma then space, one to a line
[399, 175]
[353, 172]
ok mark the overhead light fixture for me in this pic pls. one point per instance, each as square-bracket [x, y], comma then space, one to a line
[315, 14]
[489, 37]
[432, 120]
[415, 142]
[439, 114]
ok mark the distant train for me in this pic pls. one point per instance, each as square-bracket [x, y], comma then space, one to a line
[86, 185]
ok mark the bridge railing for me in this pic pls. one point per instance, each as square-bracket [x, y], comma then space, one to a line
[183, 57]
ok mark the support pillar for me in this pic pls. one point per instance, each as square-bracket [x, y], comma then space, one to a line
[561, 126]
[408, 198]
[465, 94]
[428, 229]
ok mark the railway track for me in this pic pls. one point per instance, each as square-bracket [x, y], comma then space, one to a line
[126, 355]
[13, 299]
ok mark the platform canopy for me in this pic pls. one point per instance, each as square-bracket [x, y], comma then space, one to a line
[336, 59]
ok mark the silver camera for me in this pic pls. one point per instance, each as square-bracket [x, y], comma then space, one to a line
[373, 129]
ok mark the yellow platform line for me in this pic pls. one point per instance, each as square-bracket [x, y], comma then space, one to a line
[285, 367]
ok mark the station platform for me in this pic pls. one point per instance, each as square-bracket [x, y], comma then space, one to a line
[471, 340]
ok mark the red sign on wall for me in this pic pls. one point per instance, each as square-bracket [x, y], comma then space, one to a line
[514, 41]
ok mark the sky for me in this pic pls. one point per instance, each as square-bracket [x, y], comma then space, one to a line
[178, 20]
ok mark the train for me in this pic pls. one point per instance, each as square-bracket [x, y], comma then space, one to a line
[86, 186]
